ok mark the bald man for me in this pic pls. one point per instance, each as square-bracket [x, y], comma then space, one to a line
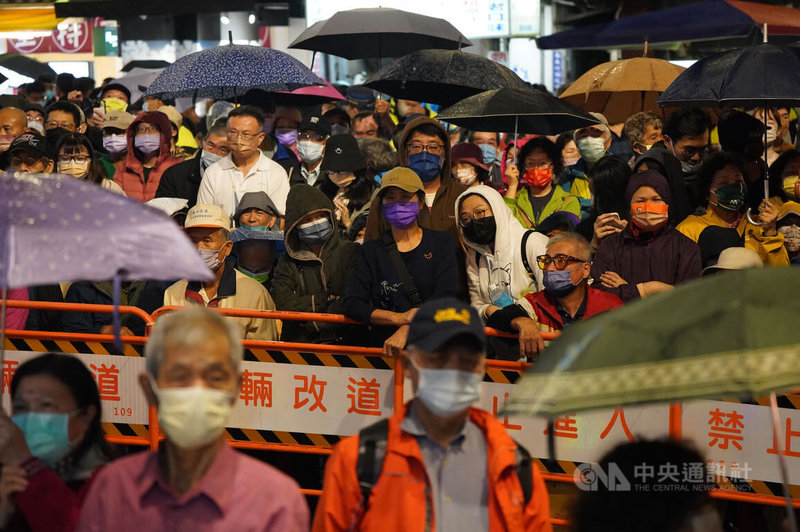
[13, 123]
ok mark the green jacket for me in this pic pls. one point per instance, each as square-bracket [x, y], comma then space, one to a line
[559, 201]
[303, 282]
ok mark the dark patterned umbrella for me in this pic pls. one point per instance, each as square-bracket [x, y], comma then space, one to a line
[442, 76]
[526, 110]
[379, 32]
[229, 71]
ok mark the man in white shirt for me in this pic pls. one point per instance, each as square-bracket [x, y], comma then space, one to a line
[246, 168]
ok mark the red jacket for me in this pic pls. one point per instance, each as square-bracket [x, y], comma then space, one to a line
[399, 502]
[547, 316]
[129, 172]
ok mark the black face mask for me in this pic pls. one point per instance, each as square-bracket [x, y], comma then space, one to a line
[481, 231]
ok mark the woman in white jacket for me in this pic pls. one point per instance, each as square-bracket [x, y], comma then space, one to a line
[493, 238]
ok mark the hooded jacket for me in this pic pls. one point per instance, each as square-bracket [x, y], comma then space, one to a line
[494, 273]
[130, 171]
[668, 165]
[440, 216]
[303, 282]
[668, 256]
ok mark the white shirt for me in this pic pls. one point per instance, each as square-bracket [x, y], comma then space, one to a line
[223, 184]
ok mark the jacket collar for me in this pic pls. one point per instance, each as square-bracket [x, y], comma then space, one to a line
[226, 288]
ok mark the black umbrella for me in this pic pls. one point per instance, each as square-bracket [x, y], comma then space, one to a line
[760, 75]
[442, 76]
[25, 65]
[149, 64]
[526, 110]
[379, 32]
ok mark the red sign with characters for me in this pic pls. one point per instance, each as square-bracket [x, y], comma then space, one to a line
[71, 39]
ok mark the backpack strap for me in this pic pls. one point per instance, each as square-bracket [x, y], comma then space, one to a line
[371, 453]
[405, 277]
[524, 253]
[523, 465]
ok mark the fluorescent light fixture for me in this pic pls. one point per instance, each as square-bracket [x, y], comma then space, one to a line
[224, 19]
[251, 19]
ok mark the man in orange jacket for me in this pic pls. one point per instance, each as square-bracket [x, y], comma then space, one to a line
[438, 465]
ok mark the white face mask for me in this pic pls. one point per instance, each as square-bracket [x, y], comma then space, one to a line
[466, 176]
[592, 149]
[115, 143]
[208, 158]
[33, 124]
[447, 392]
[310, 151]
[192, 417]
[772, 134]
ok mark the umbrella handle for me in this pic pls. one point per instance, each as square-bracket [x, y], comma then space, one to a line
[750, 218]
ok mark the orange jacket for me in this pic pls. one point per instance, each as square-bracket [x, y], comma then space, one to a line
[401, 499]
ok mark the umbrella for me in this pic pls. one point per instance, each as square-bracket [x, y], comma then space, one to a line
[526, 110]
[379, 32]
[230, 70]
[137, 80]
[734, 334]
[146, 64]
[746, 77]
[442, 76]
[25, 65]
[619, 89]
[310, 95]
[57, 229]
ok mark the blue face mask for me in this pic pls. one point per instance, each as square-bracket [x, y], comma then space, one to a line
[426, 165]
[489, 153]
[315, 233]
[45, 434]
[558, 283]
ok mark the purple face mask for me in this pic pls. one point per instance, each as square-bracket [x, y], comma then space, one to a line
[401, 214]
[287, 137]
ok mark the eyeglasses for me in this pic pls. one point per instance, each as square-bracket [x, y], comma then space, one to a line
[561, 260]
[433, 149]
[80, 159]
[52, 124]
[542, 166]
[36, 118]
[309, 135]
[691, 151]
[233, 135]
[465, 220]
[29, 162]
[141, 130]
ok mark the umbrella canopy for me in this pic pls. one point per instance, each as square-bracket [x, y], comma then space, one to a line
[57, 228]
[310, 95]
[526, 110]
[228, 71]
[733, 334]
[745, 77]
[619, 89]
[137, 80]
[379, 32]
[25, 65]
[442, 76]
[708, 20]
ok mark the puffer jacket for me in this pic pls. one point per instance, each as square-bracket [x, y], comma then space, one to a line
[129, 172]
[494, 271]
[303, 282]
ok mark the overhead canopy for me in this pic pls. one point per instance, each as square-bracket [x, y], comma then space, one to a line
[27, 18]
[711, 19]
[115, 9]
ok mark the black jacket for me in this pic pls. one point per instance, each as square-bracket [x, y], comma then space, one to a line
[181, 181]
[303, 282]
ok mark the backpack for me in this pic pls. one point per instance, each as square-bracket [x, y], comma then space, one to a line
[372, 441]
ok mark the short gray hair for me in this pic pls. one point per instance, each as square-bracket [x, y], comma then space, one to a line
[188, 327]
[583, 247]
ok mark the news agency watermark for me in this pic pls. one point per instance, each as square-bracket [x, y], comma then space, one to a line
[663, 477]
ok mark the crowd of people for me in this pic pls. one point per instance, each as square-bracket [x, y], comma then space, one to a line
[420, 231]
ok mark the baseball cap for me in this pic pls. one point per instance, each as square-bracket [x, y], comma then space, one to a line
[403, 178]
[207, 216]
[439, 321]
[32, 142]
[117, 119]
[119, 87]
[361, 97]
[342, 155]
[736, 258]
[318, 124]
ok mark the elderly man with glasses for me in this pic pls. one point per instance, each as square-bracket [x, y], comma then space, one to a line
[566, 297]
[246, 168]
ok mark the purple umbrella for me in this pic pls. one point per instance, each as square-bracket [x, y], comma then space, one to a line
[58, 229]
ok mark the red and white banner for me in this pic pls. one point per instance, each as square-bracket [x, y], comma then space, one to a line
[71, 39]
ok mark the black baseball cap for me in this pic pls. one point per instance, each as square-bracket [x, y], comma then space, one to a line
[439, 321]
[316, 123]
[34, 143]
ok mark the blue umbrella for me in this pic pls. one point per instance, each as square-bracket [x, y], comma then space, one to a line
[229, 71]
[59, 229]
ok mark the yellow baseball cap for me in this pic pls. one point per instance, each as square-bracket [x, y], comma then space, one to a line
[207, 216]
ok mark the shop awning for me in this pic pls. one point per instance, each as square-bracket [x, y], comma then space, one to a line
[711, 19]
[27, 18]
